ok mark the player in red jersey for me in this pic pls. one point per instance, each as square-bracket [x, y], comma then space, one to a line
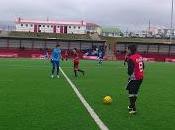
[66, 55]
[76, 61]
[136, 74]
[126, 58]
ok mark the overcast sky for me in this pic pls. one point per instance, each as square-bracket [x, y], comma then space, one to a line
[123, 13]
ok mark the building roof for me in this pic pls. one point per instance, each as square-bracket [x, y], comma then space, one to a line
[78, 23]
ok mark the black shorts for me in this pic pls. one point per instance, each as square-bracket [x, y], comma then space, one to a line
[133, 86]
[76, 66]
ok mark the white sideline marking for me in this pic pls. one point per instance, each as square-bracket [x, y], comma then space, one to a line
[96, 118]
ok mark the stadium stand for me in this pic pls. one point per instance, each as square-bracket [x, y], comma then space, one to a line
[26, 44]
[30, 44]
[151, 51]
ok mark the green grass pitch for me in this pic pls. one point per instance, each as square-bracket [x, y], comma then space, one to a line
[31, 100]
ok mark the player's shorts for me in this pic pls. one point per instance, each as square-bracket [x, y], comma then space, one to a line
[55, 63]
[76, 66]
[65, 56]
[133, 87]
[100, 58]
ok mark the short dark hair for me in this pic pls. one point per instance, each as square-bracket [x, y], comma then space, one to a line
[57, 45]
[132, 48]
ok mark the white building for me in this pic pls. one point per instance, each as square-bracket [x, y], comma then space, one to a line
[153, 32]
[67, 27]
[160, 32]
[111, 32]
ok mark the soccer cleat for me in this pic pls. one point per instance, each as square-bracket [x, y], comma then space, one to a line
[58, 76]
[52, 76]
[132, 112]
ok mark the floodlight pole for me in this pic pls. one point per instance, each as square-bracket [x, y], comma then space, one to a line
[171, 30]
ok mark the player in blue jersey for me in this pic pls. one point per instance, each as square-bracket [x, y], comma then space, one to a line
[55, 60]
[100, 56]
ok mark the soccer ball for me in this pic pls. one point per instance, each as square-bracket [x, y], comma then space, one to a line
[107, 100]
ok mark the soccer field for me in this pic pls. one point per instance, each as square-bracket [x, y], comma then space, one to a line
[31, 100]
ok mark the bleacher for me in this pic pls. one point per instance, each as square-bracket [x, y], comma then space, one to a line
[149, 48]
[152, 52]
[29, 44]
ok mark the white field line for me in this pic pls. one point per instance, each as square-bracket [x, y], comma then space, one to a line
[95, 117]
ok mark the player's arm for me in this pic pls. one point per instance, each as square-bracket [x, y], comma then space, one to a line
[125, 60]
[51, 56]
[130, 67]
[143, 65]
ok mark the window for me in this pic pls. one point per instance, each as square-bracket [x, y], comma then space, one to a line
[43, 25]
[31, 25]
[51, 26]
[78, 27]
[21, 25]
[69, 26]
[58, 26]
[39, 25]
[74, 27]
[26, 25]
[48, 26]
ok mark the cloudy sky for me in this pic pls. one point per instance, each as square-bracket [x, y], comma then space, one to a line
[123, 13]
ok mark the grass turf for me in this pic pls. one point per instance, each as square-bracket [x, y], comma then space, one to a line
[30, 100]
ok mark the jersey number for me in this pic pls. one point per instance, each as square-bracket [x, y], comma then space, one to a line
[141, 66]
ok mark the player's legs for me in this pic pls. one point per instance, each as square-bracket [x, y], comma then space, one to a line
[100, 61]
[75, 69]
[79, 70]
[75, 72]
[66, 57]
[133, 88]
[53, 68]
[82, 71]
[57, 67]
[130, 88]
